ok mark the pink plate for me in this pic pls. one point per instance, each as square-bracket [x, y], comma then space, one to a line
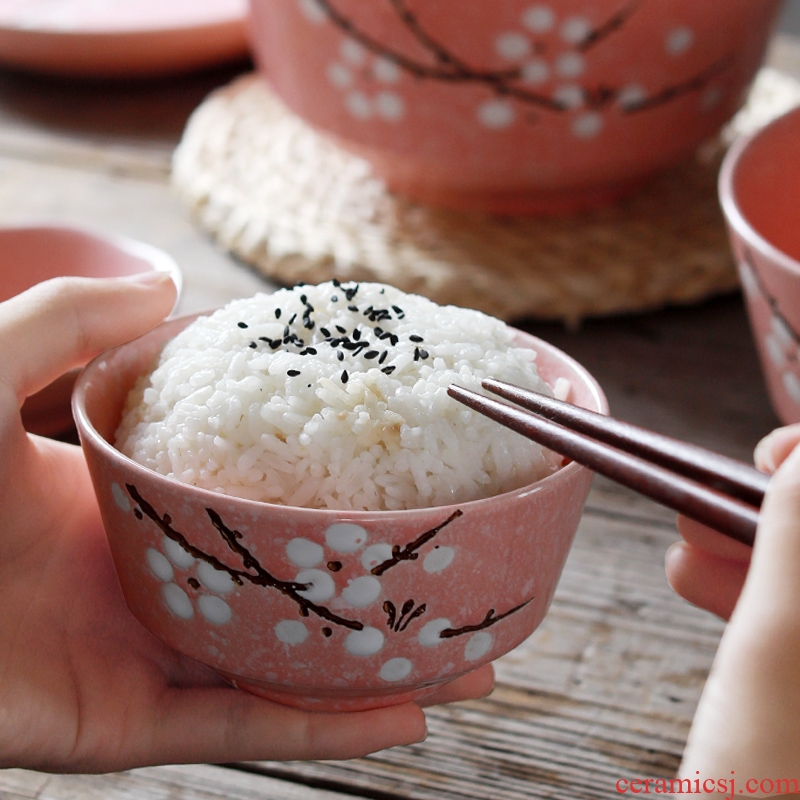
[115, 38]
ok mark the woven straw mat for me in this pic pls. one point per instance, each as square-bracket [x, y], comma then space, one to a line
[297, 207]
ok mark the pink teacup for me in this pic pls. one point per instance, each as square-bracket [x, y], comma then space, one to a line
[760, 192]
[513, 106]
[34, 253]
[323, 609]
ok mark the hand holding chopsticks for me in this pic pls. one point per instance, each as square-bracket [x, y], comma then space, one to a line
[720, 492]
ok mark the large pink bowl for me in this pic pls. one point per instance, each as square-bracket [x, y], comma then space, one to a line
[327, 609]
[760, 193]
[513, 106]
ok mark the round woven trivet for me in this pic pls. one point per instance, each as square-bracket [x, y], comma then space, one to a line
[297, 207]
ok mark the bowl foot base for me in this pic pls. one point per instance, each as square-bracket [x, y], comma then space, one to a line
[322, 701]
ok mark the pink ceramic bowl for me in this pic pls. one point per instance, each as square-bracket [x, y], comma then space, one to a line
[31, 254]
[513, 106]
[113, 39]
[760, 189]
[323, 609]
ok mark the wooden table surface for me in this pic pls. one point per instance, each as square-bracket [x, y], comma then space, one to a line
[607, 686]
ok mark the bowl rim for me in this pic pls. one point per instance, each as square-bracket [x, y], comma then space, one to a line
[727, 195]
[87, 431]
[160, 260]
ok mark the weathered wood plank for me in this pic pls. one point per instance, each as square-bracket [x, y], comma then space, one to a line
[125, 127]
[118, 203]
[192, 782]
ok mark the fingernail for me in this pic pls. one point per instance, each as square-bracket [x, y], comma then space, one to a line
[150, 278]
[763, 456]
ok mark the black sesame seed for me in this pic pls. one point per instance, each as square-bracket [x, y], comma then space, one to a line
[399, 311]
[340, 355]
[388, 370]
[309, 351]
[351, 293]
[309, 323]
[416, 354]
[292, 319]
[341, 329]
[383, 356]
[242, 324]
[253, 345]
[415, 338]
[356, 334]
[335, 282]
[352, 308]
[286, 331]
[345, 376]
[378, 331]
[334, 298]
[303, 299]
[277, 313]
[423, 354]
[293, 373]
[325, 332]
[394, 340]
[371, 354]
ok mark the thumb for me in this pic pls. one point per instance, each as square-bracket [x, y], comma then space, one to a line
[748, 719]
[776, 555]
[65, 322]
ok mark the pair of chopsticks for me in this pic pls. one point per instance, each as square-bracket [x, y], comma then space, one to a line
[718, 491]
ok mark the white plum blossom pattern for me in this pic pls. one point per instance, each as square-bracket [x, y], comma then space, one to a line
[164, 563]
[543, 57]
[679, 40]
[781, 341]
[196, 586]
[380, 100]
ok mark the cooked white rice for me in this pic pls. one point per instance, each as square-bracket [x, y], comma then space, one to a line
[334, 396]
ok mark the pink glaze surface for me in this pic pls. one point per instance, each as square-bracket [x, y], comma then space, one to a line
[759, 185]
[35, 253]
[320, 609]
[513, 106]
[120, 38]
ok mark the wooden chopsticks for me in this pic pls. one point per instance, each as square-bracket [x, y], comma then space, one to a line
[718, 491]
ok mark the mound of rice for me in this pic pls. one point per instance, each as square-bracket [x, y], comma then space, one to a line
[334, 396]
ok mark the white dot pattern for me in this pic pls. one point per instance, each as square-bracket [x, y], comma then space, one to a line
[120, 497]
[512, 45]
[177, 601]
[159, 565]
[396, 669]
[345, 537]
[291, 631]
[478, 645]
[214, 609]
[215, 580]
[539, 18]
[496, 114]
